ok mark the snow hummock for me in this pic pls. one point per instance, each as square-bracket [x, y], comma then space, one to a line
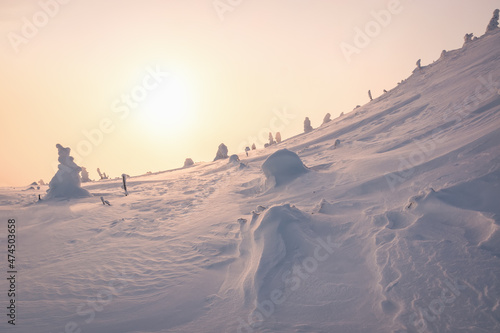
[66, 183]
[282, 167]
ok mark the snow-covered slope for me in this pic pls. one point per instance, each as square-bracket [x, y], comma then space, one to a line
[394, 230]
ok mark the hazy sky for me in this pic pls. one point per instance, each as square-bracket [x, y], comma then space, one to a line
[134, 86]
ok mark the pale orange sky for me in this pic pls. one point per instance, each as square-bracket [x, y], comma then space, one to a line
[219, 76]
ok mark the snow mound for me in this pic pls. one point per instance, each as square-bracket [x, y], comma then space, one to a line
[282, 167]
[66, 182]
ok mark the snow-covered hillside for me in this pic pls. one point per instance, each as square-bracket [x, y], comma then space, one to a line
[394, 230]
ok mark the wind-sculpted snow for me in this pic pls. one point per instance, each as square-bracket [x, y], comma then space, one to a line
[394, 230]
[282, 167]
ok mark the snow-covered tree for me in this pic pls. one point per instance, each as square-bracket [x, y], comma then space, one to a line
[188, 162]
[271, 140]
[327, 118]
[102, 175]
[221, 152]
[370, 95]
[278, 137]
[253, 146]
[85, 175]
[468, 38]
[66, 182]
[307, 125]
[494, 21]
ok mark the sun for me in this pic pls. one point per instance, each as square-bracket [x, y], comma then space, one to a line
[169, 109]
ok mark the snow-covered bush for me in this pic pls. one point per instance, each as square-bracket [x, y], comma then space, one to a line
[66, 182]
[494, 21]
[282, 167]
[221, 152]
[188, 162]
[307, 125]
[253, 146]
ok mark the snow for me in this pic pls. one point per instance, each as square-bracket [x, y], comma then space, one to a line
[394, 230]
[282, 167]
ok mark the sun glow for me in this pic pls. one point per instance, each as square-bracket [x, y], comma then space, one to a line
[169, 109]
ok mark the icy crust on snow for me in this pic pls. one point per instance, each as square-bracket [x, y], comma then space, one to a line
[282, 167]
[66, 183]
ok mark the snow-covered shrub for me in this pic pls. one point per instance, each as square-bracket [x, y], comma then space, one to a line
[282, 167]
[66, 182]
[188, 162]
[234, 159]
[253, 146]
[307, 125]
[494, 21]
[221, 152]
